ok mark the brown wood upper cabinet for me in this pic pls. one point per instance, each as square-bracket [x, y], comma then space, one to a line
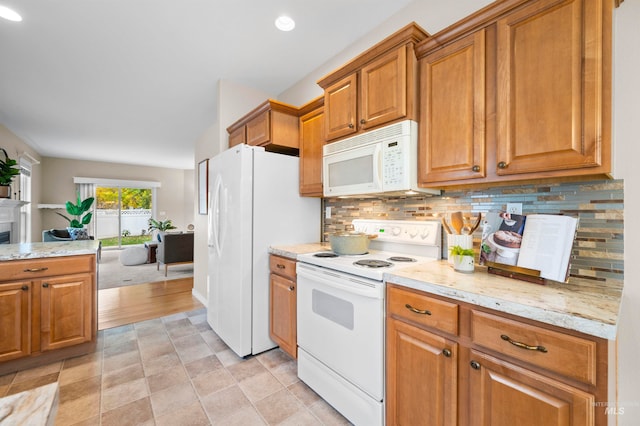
[519, 90]
[311, 142]
[375, 88]
[272, 124]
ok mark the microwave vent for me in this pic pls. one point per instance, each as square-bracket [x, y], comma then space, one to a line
[377, 135]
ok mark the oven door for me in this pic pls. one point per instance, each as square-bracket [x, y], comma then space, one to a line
[341, 324]
[353, 172]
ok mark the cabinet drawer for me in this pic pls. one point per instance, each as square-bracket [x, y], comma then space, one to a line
[46, 267]
[283, 266]
[570, 356]
[422, 309]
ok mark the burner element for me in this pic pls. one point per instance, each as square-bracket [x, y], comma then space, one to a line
[373, 263]
[401, 259]
[325, 254]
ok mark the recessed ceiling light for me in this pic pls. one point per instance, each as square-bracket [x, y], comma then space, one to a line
[284, 23]
[9, 14]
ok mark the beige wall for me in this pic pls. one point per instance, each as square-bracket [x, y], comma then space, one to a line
[626, 132]
[175, 196]
[15, 147]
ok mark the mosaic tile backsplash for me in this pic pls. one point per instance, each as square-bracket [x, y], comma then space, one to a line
[598, 249]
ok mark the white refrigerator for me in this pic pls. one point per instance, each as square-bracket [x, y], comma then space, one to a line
[254, 202]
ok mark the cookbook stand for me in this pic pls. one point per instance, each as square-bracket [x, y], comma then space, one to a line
[515, 272]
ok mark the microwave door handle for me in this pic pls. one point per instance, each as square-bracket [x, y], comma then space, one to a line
[377, 166]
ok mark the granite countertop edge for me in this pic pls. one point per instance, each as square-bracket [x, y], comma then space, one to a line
[569, 306]
[49, 249]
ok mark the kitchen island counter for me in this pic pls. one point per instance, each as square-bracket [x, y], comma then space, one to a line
[48, 249]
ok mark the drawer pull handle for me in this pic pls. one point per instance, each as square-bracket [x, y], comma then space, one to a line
[280, 266]
[45, 285]
[475, 365]
[446, 353]
[417, 311]
[35, 269]
[25, 287]
[523, 345]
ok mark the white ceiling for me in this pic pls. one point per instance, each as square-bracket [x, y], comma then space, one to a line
[135, 81]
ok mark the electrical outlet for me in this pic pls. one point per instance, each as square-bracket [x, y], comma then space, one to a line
[514, 208]
[327, 212]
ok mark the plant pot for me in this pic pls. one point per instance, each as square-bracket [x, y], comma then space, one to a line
[5, 191]
[463, 263]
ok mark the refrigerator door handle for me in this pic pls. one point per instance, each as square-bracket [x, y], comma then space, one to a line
[217, 215]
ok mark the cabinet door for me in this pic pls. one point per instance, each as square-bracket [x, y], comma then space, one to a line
[66, 311]
[549, 91]
[383, 89]
[311, 143]
[15, 320]
[259, 129]
[452, 121]
[421, 377]
[237, 137]
[340, 102]
[283, 327]
[502, 394]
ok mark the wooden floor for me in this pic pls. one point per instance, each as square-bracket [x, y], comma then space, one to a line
[125, 305]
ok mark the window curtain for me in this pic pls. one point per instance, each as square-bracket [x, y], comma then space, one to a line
[87, 190]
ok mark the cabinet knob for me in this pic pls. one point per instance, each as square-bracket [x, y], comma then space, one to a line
[502, 165]
[25, 287]
[280, 266]
[475, 168]
[351, 125]
[446, 353]
[45, 285]
[292, 288]
[475, 365]
[363, 121]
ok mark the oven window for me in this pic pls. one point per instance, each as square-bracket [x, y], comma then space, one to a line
[351, 172]
[332, 308]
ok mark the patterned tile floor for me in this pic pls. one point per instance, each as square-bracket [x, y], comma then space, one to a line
[176, 371]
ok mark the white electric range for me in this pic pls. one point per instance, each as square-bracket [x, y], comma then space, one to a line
[341, 314]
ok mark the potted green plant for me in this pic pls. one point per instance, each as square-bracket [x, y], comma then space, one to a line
[462, 258]
[80, 216]
[160, 226]
[8, 170]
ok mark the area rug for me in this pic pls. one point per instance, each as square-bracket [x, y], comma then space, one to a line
[111, 273]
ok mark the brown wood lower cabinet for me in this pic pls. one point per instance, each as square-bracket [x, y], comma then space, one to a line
[492, 369]
[283, 304]
[46, 305]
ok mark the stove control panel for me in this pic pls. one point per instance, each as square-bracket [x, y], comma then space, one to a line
[401, 231]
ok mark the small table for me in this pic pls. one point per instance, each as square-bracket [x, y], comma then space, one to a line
[151, 248]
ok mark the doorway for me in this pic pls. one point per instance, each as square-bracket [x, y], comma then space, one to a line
[122, 215]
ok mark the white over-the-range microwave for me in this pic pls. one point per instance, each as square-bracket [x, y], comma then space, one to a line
[381, 162]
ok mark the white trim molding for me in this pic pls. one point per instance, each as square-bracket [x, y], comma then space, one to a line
[117, 183]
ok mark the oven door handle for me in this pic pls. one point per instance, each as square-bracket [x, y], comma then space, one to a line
[329, 279]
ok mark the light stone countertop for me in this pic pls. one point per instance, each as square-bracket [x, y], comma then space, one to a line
[48, 249]
[37, 406]
[580, 305]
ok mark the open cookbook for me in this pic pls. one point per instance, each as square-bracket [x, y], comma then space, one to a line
[540, 242]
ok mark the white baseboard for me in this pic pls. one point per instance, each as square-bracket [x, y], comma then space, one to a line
[200, 297]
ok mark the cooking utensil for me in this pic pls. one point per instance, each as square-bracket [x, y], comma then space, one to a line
[445, 225]
[457, 222]
[476, 224]
[350, 243]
